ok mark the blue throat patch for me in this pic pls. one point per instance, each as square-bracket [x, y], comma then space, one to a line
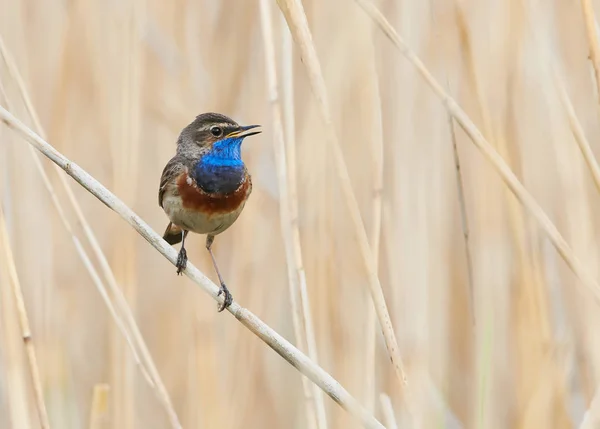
[221, 170]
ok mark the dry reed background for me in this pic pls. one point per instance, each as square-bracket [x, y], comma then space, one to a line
[114, 82]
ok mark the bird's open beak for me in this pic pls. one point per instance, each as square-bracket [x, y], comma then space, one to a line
[244, 131]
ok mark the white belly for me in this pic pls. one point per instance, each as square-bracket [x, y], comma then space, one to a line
[197, 222]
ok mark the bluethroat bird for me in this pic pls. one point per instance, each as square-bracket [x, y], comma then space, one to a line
[205, 186]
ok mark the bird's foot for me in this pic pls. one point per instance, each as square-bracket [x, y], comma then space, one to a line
[181, 260]
[228, 298]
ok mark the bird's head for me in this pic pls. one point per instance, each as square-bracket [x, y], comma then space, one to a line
[216, 138]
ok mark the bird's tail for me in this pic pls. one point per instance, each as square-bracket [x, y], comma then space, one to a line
[172, 234]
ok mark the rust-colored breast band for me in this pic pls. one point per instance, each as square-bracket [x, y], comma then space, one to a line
[195, 199]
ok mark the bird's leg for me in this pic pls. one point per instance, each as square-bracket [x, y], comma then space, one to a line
[223, 290]
[182, 256]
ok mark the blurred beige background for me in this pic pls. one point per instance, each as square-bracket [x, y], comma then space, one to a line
[114, 82]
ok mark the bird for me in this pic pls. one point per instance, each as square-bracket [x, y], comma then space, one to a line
[205, 185]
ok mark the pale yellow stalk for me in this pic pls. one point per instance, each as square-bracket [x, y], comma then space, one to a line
[301, 314]
[296, 20]
[27, 336]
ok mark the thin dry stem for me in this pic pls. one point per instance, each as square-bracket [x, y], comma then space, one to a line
[529, 299]
[526, 199]
[289, 228]
[24, 323]
[377, 154]
[125, 121]
[464, 219]
[296, 20]
[285, 349]
[578, 133]
[590, 25]
[462, 202]
[296, 268]
[15, 376]
[129, 328]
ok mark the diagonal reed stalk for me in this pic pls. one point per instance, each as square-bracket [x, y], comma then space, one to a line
[121, 313]
[590, 25]
[296, 20]
[509, 178]
[577, 129]
[24, 323]
[279, 344]
[87, 263]
[289, 225]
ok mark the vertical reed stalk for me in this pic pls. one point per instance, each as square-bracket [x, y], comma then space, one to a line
[464, 219]
[296, 274]
[27, 336]
[301, 313]
[19, 402]
[377, 154]
[529, 319]
[296, 20]
[126, 120]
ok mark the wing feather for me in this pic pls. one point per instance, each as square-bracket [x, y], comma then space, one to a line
[173, 169]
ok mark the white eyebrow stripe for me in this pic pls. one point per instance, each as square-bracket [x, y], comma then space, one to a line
[223, 125]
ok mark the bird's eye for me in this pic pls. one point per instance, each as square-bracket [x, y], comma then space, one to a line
[216, 131]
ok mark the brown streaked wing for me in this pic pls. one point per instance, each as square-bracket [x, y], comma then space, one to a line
[173, 168]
